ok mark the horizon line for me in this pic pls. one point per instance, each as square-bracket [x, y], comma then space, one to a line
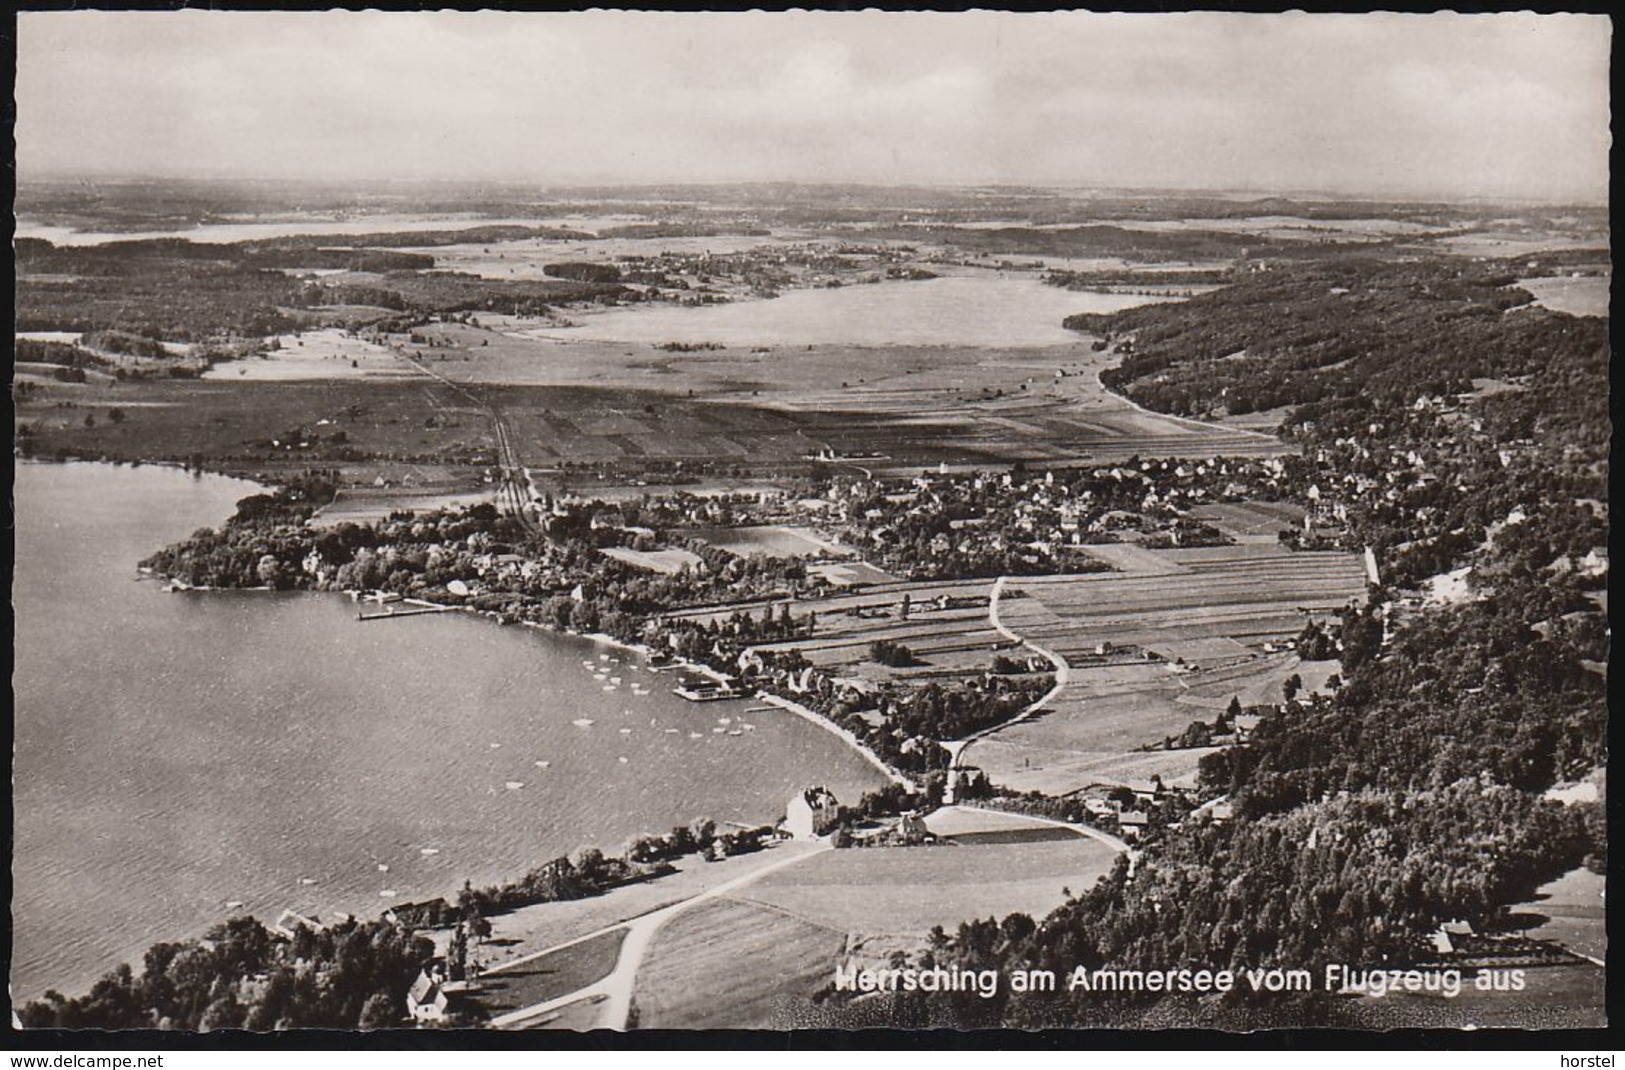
[360, 184]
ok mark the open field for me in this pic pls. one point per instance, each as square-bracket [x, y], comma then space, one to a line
[552, 975]
[1251, 521]
[665, 562]
[1211, 608]
[1248, 593]
[368, 504]
[771, 542]
[910, 889]
[1586, 295]
[1569, 911]
[330, 399]
[323, 354]
[753, 959]
[265, 426]
[949, 640]
[1014, 391]
[545, 925]
[733, 964]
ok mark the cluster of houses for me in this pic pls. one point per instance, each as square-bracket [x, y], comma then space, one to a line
[1045, 515]
[1130, 807]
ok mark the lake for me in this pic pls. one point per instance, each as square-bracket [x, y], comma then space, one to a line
[179, 752]
[985, 309]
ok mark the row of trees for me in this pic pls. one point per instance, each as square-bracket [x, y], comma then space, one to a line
[242, 976]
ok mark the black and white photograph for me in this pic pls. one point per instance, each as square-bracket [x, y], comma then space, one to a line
[935, 521]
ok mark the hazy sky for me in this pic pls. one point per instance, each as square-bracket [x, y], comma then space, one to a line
[1434, 105]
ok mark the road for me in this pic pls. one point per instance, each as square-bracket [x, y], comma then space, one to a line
[615, 989]
[1063, 674]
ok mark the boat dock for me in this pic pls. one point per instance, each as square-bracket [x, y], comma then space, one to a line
[396, 614]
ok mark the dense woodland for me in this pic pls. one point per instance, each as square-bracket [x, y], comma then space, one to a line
[1413, 796]
[185, 291]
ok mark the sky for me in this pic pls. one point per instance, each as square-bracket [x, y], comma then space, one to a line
[1495, 106]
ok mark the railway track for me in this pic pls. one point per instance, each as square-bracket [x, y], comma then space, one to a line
[514, 495]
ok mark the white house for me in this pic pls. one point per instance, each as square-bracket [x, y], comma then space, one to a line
[427, 1001]
[811, 813]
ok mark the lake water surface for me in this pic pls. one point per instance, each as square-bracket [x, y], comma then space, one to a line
[985, 309]
[179, 752]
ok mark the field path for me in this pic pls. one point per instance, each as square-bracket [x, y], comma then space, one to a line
[615, 989]
[1266, 441]
[1106, 838]
[1063, 674]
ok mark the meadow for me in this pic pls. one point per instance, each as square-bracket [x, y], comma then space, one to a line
[754, 959]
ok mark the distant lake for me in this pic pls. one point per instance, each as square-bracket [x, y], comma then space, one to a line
[176, 752]
[981, 310]
[255, 229]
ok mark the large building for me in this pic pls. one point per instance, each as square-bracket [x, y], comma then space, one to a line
[811, 813]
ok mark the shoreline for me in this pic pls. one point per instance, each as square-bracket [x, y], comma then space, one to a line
[267, 911]
[848, 738]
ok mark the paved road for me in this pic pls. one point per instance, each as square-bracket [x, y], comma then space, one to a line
[1063, 674]
[616, 987]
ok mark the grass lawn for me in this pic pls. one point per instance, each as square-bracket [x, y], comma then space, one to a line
[911, 889]
[735, 965]
[553, 975]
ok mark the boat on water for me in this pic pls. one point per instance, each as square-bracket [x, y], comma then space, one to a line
[626, 731]
[622, 759]
[234, 904]
[709, 692]
[515, 785]
[382, 868]
[582, 722]
[542, 764]
[735, 732]
[428, 851]
[388, 893]
[307, 880]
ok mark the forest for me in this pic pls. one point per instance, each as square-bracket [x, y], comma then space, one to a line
[1413, 795]
[185, 291]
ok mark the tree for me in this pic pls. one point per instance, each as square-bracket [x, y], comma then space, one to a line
[379, 1012]
[269, 570]
[457, 953]
[1291, 686]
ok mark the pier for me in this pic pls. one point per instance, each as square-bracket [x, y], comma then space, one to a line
[397, 614]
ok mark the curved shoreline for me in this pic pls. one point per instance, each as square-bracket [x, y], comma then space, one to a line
[834, 729]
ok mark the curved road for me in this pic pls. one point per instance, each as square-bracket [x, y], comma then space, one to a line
[1063, 674]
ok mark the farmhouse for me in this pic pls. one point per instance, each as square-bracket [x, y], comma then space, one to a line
[432, 998]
